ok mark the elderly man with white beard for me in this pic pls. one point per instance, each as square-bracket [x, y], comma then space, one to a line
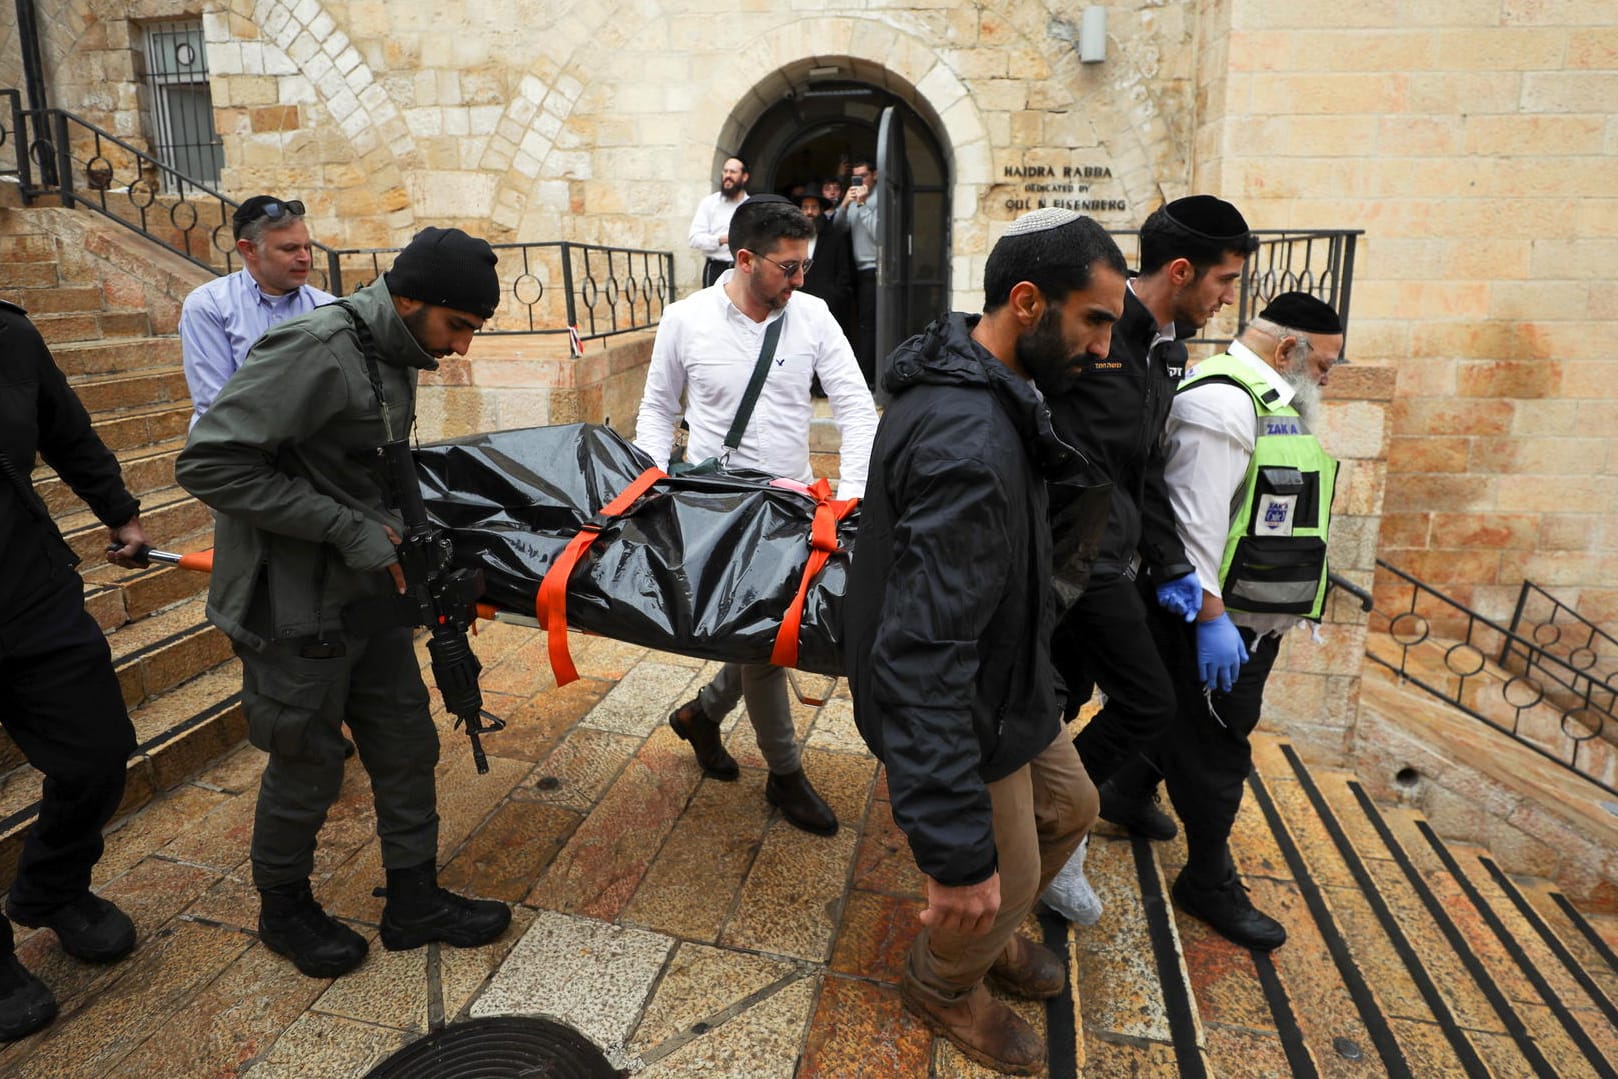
[1252, 490]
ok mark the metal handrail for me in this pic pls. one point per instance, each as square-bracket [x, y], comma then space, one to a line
[1565, 634]
[1571, 741]
[592, 291]
[1317, 261]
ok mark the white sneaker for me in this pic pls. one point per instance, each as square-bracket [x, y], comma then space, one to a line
[1070, 894]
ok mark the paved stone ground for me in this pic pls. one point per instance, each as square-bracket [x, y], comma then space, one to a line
[650, 904]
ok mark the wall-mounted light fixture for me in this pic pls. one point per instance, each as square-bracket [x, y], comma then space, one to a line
[1093, 35]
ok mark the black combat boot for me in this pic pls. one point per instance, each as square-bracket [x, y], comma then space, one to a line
[26, 1005]
[419, 911]
[291, 923]
[90, 928]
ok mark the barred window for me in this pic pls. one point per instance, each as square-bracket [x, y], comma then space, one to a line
[180, 104]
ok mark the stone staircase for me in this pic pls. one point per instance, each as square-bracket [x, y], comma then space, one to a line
[1407, 955]
[108, 310]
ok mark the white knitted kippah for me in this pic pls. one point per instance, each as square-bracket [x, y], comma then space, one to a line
[1050, 217]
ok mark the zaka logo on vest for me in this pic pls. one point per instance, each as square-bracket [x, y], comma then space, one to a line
[1282, 426]
[1275, 514]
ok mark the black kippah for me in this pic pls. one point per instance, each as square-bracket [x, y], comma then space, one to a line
[1209, 217]
[754, 200]
[1301, 311]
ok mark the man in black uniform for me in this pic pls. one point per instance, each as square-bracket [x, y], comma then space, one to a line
[59, 696]
[1192, 251]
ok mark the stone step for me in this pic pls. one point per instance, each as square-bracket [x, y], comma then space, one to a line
[1430, 986]
[27, 247]
[165, 649]
[1508, 952]
[176, 735]
[116, 597]
[119, 356]
[51, 298]
[112, 393]
[59, 329]
[167, 513]
[146, 470]
[24, 277]
[140, 428]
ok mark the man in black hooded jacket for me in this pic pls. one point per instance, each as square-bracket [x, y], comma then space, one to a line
[948, 617]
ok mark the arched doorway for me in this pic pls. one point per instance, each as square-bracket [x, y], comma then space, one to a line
[821, 125]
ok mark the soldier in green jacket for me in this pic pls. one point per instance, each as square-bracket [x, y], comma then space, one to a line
[288, 457]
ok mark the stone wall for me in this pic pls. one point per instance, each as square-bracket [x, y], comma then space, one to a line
[1475, 142]
[604, 120]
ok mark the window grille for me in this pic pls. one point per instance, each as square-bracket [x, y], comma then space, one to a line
[181, 104]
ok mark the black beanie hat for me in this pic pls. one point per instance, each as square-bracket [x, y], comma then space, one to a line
[1301, 311]
[447, 268]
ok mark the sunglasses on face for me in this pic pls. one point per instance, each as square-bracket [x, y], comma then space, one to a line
[791, 269]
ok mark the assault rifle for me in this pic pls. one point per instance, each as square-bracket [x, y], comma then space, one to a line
[437, 596]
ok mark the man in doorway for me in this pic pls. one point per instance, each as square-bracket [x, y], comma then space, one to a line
[307, 528]
[710, 228]
[831, 273]
[1242, 465]
[706, 349]
[221, 319]
[860, 216]
[1192, 252]
[947, 623]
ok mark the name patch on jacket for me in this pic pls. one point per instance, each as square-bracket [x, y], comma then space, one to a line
[1282, 425]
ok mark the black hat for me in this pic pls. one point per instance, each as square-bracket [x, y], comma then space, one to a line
[447, 268]
[1209, 217]
[263, 206]
[1301, 311]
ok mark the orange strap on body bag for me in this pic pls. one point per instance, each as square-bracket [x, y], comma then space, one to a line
[822, 545]
[550, 603]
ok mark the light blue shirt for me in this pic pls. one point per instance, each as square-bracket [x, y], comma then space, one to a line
[222, 319]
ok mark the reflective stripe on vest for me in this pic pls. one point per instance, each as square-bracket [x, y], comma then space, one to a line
[1275, 551]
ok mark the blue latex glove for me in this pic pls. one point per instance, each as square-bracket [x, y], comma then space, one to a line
[1181, 596]
[1220, 653]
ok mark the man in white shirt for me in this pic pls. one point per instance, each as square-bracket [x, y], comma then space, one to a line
[706, 349]
[222, 319]
[710, 228]
[1244, 472]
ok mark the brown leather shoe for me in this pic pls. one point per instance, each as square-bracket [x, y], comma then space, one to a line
[691, 723]
[981, 1027]
[799, 803]
[1028, 970]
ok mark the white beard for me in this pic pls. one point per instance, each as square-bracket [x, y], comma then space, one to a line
[1305, 396]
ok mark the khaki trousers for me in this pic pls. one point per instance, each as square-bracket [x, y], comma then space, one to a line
[1041, 811]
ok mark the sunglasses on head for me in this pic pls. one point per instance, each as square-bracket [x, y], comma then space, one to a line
[275, 210]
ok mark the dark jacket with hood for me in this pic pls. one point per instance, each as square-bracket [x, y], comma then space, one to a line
[1114, 414]
[948, 612]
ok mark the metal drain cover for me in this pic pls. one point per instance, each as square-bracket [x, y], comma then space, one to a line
[502, 1047]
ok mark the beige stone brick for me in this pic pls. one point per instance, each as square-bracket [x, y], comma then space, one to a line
[1429, 454]
[1447, 416]
[1405, 529]
[1593, 47]
[1531, 135]
[1568, 531]
[1508, 378]
[1449, 93]
[1555, 494]
[1545, 417]
[1500, 49]
[1332, 50]
[1282, 14]
[1532, 300]
[1441, 492]
[1569, 91]
[1353, 429]
[1453, 565]
[1486, 530]
[1329, 93]
[1458, 13]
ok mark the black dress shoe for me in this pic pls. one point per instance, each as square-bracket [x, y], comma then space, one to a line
[1225, 906]
[799, 804]
[26, 1005]
[90, 928]
[1139, 815]
[691, 723]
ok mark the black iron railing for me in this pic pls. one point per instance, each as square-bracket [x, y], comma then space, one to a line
[1317, 261]
[1445, 648]
[554, 287]
[1559, 631]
